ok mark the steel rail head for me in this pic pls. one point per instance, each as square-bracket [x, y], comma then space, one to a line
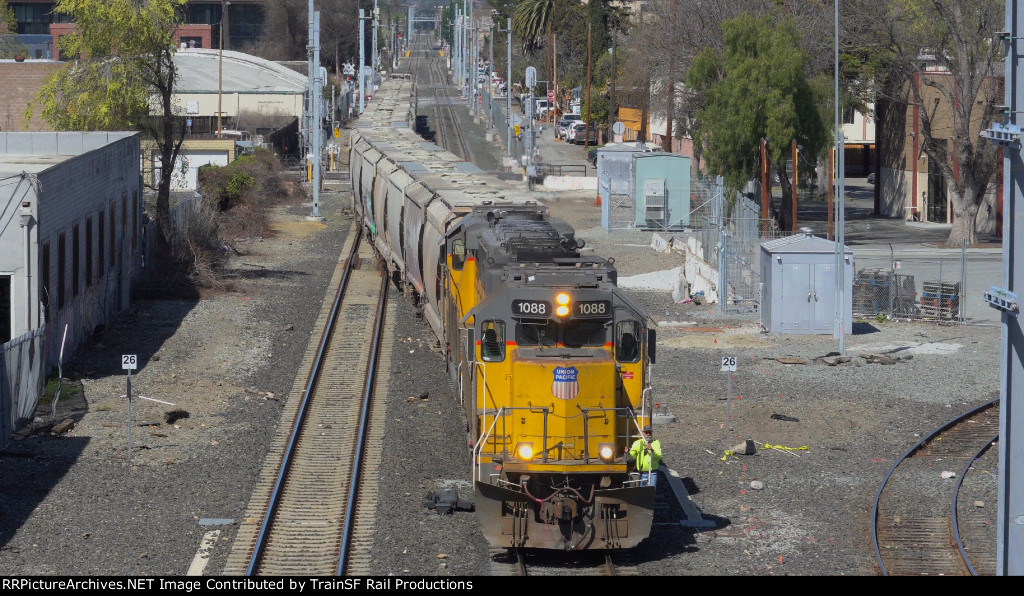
[911, 451]
[303, 407]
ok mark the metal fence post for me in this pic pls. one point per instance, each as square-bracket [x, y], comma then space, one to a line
[963, 280]
[892, 281]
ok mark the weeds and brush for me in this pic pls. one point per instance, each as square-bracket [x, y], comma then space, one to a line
[230, 209]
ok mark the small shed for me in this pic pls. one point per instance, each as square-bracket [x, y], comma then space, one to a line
[798, 289]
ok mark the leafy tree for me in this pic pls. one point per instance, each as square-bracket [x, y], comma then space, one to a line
[9, 44]
[124, 71]
[956, 38]
[758, 88]
[8, 21]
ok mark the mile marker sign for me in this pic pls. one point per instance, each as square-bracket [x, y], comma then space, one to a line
[129, 362]
[728, 364]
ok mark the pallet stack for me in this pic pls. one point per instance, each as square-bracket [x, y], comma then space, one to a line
[940, 300]
[871, 291]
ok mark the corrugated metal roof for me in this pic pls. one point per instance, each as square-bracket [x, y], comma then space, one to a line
[801, 243]
[198, 72]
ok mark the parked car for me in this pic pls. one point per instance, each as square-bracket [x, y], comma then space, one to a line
[564, 123]
[581, 133]
[871, 178]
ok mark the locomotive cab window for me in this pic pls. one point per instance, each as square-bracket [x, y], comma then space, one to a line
[492, 341]
[458, 253]
[627, 341]
[547, 334]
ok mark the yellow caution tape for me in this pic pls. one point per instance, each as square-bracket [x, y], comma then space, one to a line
[784, 448]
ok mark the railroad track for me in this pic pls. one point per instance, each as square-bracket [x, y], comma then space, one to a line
[444, 111]
[312, 511]
[920, 524]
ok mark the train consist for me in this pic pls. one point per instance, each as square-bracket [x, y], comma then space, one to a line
[549, 359]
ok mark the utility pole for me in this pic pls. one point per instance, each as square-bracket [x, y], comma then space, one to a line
[586, 133]
[508, 83]
[765, 190]
[794, 184]
[553, 100]
[220, 71]
[612, 110]
[373, 43]
[362, 60]
[490, 79]
[667, 143]
[315, 98]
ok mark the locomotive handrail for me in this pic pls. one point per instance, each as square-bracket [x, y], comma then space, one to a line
[478, 448]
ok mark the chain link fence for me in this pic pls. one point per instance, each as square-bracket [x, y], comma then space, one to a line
[913, 286]
[730, 236]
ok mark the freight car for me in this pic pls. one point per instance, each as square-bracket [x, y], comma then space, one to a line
[549, 359]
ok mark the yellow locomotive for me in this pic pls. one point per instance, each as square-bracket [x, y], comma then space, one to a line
[553, 380]
[549, 359]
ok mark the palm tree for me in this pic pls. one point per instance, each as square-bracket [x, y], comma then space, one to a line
[531, 21]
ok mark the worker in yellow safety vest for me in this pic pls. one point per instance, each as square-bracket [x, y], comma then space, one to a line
[647, 454]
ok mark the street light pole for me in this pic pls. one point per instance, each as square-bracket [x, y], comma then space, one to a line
[840, 176]
[220, 71]
[508, 83]
[362, 60]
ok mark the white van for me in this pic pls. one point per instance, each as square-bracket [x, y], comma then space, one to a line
[541, 107]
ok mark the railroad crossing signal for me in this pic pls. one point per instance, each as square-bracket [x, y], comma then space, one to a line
[348, 69]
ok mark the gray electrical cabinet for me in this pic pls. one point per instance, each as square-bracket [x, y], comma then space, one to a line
[798, 290]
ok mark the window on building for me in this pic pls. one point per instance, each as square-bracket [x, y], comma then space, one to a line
[101, 237]
[61, 268]
[35, 18]
[76, 261]
[113, 235]
[135, 218]
[88, 252]
[6, 324]
[849, 113]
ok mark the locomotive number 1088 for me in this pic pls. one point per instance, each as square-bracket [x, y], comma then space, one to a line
[531, 307]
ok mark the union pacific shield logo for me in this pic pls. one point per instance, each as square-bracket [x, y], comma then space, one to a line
[565, 385]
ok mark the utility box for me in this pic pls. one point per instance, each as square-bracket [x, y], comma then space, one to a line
[798, 290]
[661, 190]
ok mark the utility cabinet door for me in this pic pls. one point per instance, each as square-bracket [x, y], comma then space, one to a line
[824, 296]
[796, 288]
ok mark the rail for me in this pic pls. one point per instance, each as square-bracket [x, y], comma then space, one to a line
[929, 438]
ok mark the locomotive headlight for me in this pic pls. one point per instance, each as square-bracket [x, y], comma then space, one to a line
[524, 451]
[606, 451]
[562, 300]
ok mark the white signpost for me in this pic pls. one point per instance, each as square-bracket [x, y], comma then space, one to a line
[729, 366]
[129, 362]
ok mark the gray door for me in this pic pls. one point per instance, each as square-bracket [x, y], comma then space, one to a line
[824, 301]
[797, 297]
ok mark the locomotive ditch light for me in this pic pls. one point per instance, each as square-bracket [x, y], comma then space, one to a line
[606, 451]
[562, 300]
[524, 450]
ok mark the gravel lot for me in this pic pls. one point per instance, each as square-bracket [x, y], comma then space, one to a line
[75, 504]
